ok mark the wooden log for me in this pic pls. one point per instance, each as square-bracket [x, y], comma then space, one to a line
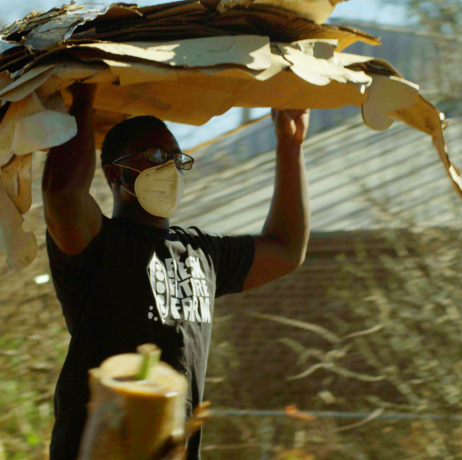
[137, 409]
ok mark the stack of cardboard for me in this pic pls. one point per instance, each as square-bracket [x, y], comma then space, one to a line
[185, 61]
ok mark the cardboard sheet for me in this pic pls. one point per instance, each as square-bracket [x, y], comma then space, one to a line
[426, 117]
[9, 183]
[250, 51]
[67, 73]
[132, 73]
[194, 96]
[386, 95]
[27, 84]
[17, 110]
[28, 126]
[226, 5]
[45, 35]
[21, 169]
[317, 11]
[186, 61]
[20, 246]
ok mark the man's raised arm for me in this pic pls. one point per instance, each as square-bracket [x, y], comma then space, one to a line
[281, 248]
[72, 216]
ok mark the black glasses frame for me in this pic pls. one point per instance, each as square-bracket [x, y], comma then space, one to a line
[176, 157]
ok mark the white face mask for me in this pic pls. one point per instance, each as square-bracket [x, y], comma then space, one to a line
[159, 189]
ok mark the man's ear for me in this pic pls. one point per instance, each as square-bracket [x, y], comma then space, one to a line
[112, 173]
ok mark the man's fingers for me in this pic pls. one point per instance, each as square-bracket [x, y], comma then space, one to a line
[292, 114]
[298, 113]
[282, 116]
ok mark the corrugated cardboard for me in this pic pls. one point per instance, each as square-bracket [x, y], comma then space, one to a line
[187, 62]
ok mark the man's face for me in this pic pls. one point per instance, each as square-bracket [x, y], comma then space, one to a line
[162, 139]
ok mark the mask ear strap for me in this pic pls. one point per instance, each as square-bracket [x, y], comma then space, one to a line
[128, 191]
[127, 167]
[133, 169]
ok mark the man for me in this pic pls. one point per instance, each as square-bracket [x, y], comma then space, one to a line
[132, 279]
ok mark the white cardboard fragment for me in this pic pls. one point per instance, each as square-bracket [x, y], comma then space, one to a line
[28, 126]
[48, 34]
[318, 72]
[27, 84]
[28, 106]
[387, 95]
[251, 51]
[42, 131]
[20, 246]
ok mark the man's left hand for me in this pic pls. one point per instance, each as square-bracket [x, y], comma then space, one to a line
[291, 125]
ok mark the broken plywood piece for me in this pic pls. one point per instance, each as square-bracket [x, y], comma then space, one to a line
[20, 246]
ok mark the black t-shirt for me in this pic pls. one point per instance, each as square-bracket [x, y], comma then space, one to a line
[137, 284]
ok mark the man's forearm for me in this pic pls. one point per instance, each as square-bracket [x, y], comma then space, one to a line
[71, 166]
[288, 221]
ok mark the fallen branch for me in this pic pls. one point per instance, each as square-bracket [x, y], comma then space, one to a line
[328, 335]
[367, 332]
[376, 414]
[338, 370]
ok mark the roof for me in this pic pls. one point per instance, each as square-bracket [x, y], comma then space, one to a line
[360, 179]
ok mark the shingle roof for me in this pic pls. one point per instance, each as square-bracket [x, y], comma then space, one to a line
[352, 170]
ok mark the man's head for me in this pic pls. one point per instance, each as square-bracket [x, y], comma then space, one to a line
[136, 145]
[133, 135]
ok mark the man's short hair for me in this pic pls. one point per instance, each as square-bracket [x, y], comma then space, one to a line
[123, 134]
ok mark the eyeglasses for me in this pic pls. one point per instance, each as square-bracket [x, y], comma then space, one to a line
[159, 156]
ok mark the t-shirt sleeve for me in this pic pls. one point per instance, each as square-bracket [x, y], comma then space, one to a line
[72, 273]
[232, 257]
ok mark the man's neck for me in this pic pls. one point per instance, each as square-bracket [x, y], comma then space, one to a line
[138, 215]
